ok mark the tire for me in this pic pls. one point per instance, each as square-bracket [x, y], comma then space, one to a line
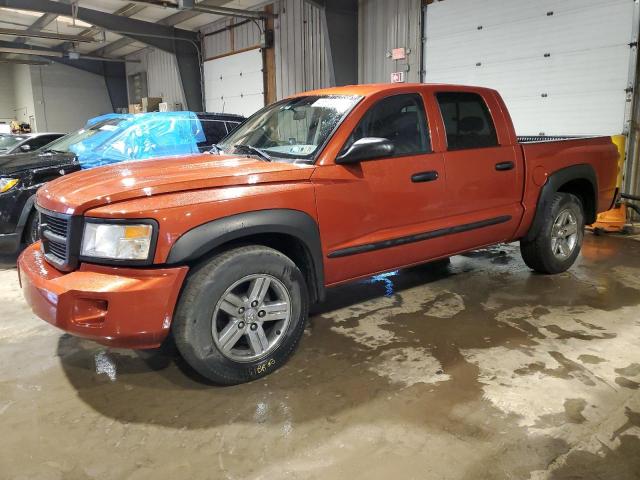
[208, 346]
[31, 234]
[547, 252]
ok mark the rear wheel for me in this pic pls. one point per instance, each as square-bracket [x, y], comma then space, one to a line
[558, 242]
[241, 314]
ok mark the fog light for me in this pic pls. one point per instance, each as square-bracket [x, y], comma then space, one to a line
[89, 311]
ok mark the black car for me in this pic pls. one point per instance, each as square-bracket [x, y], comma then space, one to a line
[27, 142]
[22, 174]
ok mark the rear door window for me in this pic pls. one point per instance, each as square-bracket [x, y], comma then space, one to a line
[467, 121]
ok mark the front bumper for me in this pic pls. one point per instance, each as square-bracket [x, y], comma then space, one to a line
[118, 307]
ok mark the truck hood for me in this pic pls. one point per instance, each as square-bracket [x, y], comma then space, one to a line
[87, 189]
[20, 162]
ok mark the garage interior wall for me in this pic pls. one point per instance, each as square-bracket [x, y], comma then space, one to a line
[163, 77]
[23, 96]
[65, 98]
[300, 43]
[302, 56]
[7, 100]
[383, 26]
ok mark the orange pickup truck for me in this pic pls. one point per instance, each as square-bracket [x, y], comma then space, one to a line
[226, 250]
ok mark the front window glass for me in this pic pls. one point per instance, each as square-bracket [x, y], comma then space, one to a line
[400, 119]
[65, 143]
[293, 129]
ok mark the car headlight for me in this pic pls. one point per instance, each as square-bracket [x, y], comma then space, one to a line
[117, 241]
[7, 184]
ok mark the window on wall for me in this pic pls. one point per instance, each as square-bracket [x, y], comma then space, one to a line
[401, 119]
[467, 121]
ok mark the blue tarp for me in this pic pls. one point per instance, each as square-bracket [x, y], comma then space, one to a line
[139, 136]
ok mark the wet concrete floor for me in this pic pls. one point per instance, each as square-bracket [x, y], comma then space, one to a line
[475, 370]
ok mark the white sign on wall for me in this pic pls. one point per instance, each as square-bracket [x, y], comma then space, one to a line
[397, 77]
[234, 83]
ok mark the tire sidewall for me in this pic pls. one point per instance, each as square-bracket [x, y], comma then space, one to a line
[31, 228]
[563, 202]
[202, 352]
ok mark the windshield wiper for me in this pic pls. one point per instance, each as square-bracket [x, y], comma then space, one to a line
[51, 150]
[256, 151]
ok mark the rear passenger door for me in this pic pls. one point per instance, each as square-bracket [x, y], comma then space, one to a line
[484, 177]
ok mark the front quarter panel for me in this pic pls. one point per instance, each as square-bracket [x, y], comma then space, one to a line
[178, 213]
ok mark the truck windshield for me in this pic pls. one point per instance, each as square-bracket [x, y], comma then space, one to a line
[293, 129]
[64, 144]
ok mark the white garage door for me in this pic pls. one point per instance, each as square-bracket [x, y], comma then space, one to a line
[235, 83]
[562, 66]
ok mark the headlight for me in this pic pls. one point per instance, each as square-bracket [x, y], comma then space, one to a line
[7, 184]
[117, 241]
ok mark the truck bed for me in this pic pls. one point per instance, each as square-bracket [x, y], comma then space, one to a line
[549, 138]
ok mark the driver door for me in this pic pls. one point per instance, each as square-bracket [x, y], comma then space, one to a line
[371, 211]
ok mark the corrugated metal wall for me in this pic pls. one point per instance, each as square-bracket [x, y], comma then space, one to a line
[382, 26]
[300, 45]
[240, 37]
[301, 48]
[163, 78]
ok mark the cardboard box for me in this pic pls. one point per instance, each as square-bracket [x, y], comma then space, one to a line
[169, 107]
[150, 104]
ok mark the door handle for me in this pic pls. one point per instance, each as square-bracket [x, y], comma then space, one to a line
[503, 166]
[424, 177]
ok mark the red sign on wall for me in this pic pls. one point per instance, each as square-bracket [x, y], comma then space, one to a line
[398, 54]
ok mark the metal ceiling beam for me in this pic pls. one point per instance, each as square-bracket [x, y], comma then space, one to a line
[31, 51]
[165, 36]
[39, 51]
[170, 21]
[112, 47]
[183, 43]
[215, 10]
[41, 34]
[24, 61]
[38, 25]
[128, 10]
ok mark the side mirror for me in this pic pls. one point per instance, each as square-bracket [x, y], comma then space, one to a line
[366, 149]
[25, 148]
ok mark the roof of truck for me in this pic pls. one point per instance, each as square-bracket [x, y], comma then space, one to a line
[373, 88]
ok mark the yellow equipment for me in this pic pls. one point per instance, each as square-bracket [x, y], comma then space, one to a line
[615, 219]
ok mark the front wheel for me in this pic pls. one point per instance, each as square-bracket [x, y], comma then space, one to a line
[558, 242]
[241, 314]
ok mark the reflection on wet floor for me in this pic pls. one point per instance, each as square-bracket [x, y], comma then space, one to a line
[471, 369]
